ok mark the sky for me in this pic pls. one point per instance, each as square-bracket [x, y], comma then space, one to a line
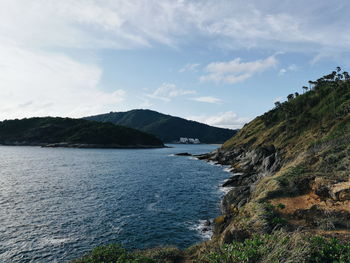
[220, 62]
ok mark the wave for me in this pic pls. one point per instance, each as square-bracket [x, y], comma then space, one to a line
[225, 190]
[151, 206]
[204, 230]
[228, 169]
[54, 241]
[213, 163]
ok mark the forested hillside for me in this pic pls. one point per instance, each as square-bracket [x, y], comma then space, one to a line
[167, 128]
[67, 131]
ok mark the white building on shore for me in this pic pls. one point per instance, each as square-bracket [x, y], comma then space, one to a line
[189, 140]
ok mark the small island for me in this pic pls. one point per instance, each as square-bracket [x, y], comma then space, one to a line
[75, 133]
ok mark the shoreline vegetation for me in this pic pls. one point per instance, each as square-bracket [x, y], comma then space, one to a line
[290, 196]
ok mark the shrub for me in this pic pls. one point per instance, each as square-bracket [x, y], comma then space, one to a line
[112, 254]
[289, 176]
[249, 251]
[281, 247]
[328, 251]
[272, 216]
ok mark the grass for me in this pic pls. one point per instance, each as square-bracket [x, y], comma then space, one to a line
[288, 178]
[116, 254]
[281, 247]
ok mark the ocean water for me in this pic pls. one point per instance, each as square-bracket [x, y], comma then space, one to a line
[58, 204]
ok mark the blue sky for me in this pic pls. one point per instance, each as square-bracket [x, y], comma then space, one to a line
[219, 62]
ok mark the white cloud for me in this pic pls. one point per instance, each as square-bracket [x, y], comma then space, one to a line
[283, 71]
[237, 71]
[208, 99]
[227, 119]
[39, 84]
[168, 91]
[270, 24]
[39, 76]
[189, 67]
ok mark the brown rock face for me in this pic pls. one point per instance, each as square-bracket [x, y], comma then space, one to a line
[344, 195]
[340, 191]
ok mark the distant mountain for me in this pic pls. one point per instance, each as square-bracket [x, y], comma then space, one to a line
[167, 128]
[68, 132]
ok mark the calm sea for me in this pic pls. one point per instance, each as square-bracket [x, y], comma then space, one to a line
[57, 204]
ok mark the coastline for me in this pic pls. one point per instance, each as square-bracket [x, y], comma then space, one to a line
[84, 146]
[206, 228]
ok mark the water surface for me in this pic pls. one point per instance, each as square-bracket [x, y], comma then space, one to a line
[57, 204]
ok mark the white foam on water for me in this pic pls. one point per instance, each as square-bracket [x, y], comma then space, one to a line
[227, 169]
[54, 241]
[213, 163]
[225, 190]
[202, 229]
[151, 206]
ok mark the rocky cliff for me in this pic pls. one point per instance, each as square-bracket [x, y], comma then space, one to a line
[291, 167]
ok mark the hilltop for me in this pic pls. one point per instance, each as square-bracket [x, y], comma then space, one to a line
[67, 132]
[166, 127]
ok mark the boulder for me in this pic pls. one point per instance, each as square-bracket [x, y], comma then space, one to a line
[340, 191]
[183, 154]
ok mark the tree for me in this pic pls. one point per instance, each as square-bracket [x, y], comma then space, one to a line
[334, 73]
[329, 77]
[305, 88]
[278, 104]
[346, 75]
[296, 94]
[312, 83]
[339, 77]
[290, 97]
[338, 69]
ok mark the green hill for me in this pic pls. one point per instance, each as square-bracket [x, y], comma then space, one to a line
[293, 182]
[167, 128]
[73, 133]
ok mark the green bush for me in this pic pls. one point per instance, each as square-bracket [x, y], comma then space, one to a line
[329, 251]
[249, 251]
[281, 247]
[112, 254]
[288, 177]
[272, 216]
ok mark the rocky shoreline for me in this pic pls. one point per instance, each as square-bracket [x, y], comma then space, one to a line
[247, 168]
[317, 200]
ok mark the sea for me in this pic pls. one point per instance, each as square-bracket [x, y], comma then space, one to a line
[57, 204]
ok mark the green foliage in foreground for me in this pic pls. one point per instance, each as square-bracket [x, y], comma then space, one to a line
[329, 251]
[74, 131]
[281, 247]
[167, 128]
[112, 254]
[117, 254]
